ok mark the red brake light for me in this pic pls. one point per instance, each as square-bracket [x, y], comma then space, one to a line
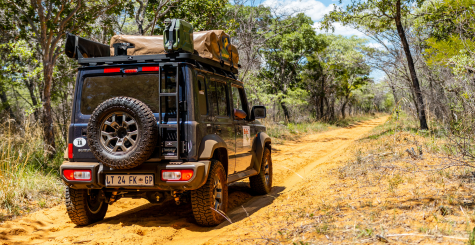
[111, 70]
[130, 70]
[150, 68]
[70, 151]
[78, 175]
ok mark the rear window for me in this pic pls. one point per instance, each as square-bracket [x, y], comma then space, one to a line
[96, 90]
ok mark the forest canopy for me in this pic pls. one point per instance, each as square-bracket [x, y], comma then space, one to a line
[300, 73]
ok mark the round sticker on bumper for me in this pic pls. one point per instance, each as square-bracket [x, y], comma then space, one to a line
[79, 142]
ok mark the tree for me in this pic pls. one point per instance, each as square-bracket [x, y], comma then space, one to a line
[380, 16]
[149, 14]
[285, 55]
[340, 69]
[46, 22]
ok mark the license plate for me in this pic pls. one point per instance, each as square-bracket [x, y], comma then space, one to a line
[129, 180]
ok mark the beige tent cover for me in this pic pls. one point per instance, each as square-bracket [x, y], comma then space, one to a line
[206, 44]
[143, 45]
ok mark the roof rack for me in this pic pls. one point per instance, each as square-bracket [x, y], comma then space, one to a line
[90, 53]
[172, 57]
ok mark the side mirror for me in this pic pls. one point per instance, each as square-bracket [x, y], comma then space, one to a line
[239, 114]
[258, 112]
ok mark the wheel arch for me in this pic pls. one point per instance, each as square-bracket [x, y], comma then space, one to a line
[213, 147]
[261, 141]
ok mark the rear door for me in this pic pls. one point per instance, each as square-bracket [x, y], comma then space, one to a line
[222, 122]
[96, 86]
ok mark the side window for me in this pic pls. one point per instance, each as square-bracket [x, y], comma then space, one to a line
[212, 97]
[202, 95]
[222, 99]
[237, 104]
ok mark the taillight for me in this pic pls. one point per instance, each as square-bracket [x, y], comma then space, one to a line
[111, 70]
[78, 175]
[150, 68]
[70, 151]
[131, 70]
[177, 175]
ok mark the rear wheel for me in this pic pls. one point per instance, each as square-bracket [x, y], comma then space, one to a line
[210, 202]
[261, 184]
[84, 209]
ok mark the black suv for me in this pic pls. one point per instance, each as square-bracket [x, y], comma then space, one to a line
[153, 126]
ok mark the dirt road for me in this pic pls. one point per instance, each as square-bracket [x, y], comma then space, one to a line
[131, 221]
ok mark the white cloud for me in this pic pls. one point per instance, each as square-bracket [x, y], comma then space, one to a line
[312, 8]
[315, 10]
[376, 46]
[339, 30]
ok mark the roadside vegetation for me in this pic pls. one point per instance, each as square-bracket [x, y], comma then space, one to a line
[397, 184]
[28, 178]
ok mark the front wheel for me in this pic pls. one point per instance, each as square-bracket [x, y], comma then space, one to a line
[261, 184]
[84, 209]
[210, 202]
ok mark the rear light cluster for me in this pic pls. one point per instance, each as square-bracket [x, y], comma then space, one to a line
[70, 151]
[78, 175]
[177, 175]
[131, 70]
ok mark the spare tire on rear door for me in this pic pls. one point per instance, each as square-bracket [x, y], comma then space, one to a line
[122, 132]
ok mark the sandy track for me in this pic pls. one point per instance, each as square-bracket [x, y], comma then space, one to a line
[131, 221]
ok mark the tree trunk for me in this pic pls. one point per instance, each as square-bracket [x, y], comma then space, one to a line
[48, 127]
[322, 95]
[31, 89]
[6, 105]
[410, 63]
[286, 111]
[393, 90]
[343, 108]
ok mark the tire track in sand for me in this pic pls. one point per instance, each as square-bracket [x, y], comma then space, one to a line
[131, 221]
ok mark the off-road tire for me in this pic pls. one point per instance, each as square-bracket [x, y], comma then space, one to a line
[202, 199]
[258, 183]
[79, 210]
[147, 130]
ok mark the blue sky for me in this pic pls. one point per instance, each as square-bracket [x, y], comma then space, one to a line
[316, 10]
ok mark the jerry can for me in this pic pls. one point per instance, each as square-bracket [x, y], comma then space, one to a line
[178, 36]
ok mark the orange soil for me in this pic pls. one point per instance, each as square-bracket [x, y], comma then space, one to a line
[135, 221]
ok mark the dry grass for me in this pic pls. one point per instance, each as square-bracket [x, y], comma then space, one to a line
[28, 180]
[387, 192]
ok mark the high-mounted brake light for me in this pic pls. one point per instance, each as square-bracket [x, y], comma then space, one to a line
[130, 70]
[177, 175]
[78, 175]
[111, 70]
[70, 151]
[150, 68]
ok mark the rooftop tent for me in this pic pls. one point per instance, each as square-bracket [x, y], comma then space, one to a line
[216, 45]
[87, 48]
[213, 45]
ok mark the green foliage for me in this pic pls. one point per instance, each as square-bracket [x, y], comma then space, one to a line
[450, 39]
[374, 15]
[203, 14]
[285, 56]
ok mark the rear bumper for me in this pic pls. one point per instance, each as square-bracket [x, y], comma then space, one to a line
[200, 175]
